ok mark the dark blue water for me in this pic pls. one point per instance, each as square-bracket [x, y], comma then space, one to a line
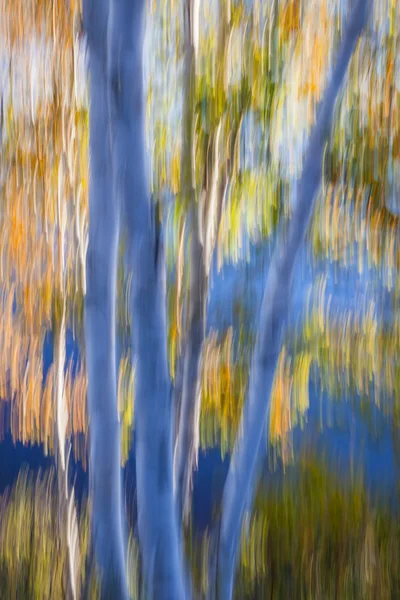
[350, 443]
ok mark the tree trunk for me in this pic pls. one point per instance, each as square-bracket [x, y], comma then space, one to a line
[186, 444]
[240, 483]
[204, 219]
[99, 322]
[158, 537]
[67, 520]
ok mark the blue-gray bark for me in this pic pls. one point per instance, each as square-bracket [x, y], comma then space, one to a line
[99, 322]
[162, 565]
[241, 480]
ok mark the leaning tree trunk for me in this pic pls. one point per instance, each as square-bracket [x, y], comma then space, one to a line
[99, 322]
[153, 399]
[240, 483]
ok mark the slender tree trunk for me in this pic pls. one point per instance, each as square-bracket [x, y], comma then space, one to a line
[68, 524]
[186, 445]
[153, 399]
[204, 220]
[240, 483]
[67, 520]
[99, 322]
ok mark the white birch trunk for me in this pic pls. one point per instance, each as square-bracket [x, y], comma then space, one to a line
[240, 483]
[162, 566]
[67, 519]
[99, 322]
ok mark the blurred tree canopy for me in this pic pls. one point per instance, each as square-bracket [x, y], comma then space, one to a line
[261, 69]
[258, 79]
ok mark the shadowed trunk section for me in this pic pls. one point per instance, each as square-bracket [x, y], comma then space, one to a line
[241, 481]
[99, 323]
[204, 220]
[158, 537]
[186, 444]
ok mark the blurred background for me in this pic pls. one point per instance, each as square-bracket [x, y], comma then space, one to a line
[325, 522]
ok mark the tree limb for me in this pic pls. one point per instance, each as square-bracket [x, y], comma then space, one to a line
[240, 482]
